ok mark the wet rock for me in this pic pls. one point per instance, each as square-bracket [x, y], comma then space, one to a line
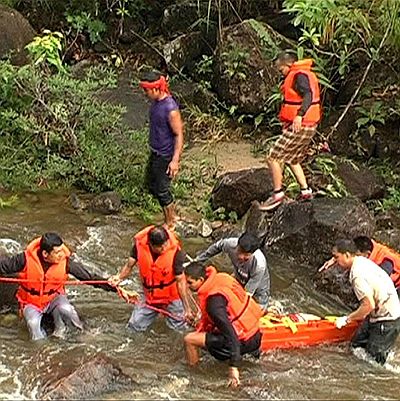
[204, 228]
[361, 181]
[106, 203]
[336, 281]
[184, 49]
[390, 237]
[236, 190]
[191, 93]
[8, 301]
[15, 34]
[186, 230]
[387, 220]
[179, 17]
[245, 74]
[306, 231]
[92, 378]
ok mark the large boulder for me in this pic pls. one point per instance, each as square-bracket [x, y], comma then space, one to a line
[306, 231]
[244, 73]
[335, 281]
[183, 50]
[91, 378]
[360, 181]
[8, 301]
[15, 34]
[236, 190]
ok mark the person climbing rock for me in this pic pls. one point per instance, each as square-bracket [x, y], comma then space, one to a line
[300, 115]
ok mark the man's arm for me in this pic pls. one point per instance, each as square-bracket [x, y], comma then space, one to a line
[367, 305]
[176, 124]
[12, 264]
[302, 86]
[79, 271]
[217, 311]
[212, 250]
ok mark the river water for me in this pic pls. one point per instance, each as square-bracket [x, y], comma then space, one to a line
[155, 360]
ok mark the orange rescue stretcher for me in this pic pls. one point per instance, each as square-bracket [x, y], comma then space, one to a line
[301, 330]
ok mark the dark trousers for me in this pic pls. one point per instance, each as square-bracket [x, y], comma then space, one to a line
[377, 338]
[217, 345]
[158, 180]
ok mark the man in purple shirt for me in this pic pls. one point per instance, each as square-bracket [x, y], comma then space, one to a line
[166, 142]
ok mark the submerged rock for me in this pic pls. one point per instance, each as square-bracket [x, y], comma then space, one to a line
[91, 378]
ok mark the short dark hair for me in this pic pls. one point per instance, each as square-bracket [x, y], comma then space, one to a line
[248, 242]
[150, 76]
[345, 245]
[158, 236]
[286, 57]
[196, 270]
[363, 243]
[49, 241]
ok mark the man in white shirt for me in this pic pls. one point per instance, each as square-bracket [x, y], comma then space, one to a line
[379, 303]
[249, 264]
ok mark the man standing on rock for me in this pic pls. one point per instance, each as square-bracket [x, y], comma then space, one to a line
[166, 142]
[379, 304]
[300, 114]
[249, 264]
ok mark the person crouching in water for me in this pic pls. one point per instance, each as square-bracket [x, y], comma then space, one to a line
[43, 269]
[229, 327]
[379, 304]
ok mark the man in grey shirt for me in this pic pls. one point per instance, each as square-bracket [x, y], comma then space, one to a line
[249, 264]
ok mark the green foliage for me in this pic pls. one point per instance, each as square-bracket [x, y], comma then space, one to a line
[83, 22]
[204, 70]
[327, 167]
[371, 116]
[336, 31]
[9, 202]
[268, 44]
[55, 132]
[46, 49]
[235, 60]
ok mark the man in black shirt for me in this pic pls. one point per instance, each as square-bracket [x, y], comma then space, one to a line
[43, 269]
[230, 319]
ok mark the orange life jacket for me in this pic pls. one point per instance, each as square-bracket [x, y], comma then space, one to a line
[244, 313]
[292, 100]
[158, 277]
[381, 252]
[43, 285]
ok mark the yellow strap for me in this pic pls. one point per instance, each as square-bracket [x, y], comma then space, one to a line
[331, 319]
[270, 321]
[288, 322]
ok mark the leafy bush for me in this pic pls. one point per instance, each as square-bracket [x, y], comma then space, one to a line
[55, 132]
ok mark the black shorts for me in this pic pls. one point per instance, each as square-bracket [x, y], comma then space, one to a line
[158, 180]
[216, 345]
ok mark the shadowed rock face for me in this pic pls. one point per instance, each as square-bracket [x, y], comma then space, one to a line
[305, 232]
[236, 190]
[15, 33]
[92, 378]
